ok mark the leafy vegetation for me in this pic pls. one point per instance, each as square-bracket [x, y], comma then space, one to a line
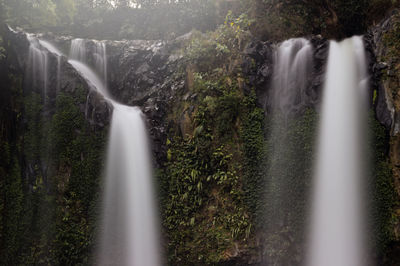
[205, 214]
[225, 160]
[385, 200]
[332, 19]
[49, 212]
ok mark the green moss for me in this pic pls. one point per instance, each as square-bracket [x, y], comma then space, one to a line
[49, 212]
[290, 146]
[214, 50]
[78, 162]
[254, 151]
[384, 196]
[13, 212]
[205, 213]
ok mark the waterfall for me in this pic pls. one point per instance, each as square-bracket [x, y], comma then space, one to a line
[285, 180]
[128, 198]
[292, 68]
[78, 50]
[93, 80]
[129, 228]
[59, 54]
[96, 58]
[38, 62]
[337, 234]
[100, 55]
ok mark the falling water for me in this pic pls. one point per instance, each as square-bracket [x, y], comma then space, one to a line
[292, 68]
[38, 62]
[78, 50]
[293, 62]
[57, 52]
[337, 223]
[129, 232]
[91, 77]
[100, 55]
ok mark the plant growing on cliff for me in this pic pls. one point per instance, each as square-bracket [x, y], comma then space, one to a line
[205, 200]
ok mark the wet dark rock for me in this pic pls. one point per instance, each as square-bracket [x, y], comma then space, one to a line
[146, 74]
[321, 52]
[377, 50]
[140, 73]
[258, 66]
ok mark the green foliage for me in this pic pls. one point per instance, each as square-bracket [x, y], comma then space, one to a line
[254, 151]
[48, 217]
[391, 41]
[78, 156]
[290, 146]
[65, 11]
[107, 19]
[212, 50]
[382, 187]
[204, 209]
[12, 213]
[220, 107]
[333, 19]
[204, 202]
[34, 142]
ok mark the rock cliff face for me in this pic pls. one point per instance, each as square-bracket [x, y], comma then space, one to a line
[99, 111]
[386, 39]
[140, 73]
[155, 76]
[261, 54]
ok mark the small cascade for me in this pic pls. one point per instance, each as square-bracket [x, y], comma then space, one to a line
[92, 53]
[338, 218]
[100, 64]
[130, 235]
[285, 187]
[38, 66]
[93, 80]
[59, 54]
[293, 62]
[129, 228]
[78, 50]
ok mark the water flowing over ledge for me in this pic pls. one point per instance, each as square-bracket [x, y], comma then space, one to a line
[338, 219]
[129, 233]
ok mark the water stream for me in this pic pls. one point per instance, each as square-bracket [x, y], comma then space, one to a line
[38, 66]
[129, 230]
[285, 195]
[129, 233]
[337, 228]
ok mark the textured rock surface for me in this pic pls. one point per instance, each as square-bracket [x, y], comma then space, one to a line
[153, 75]
[140, 73]
[149, 74]
[385, 38]
[259, 68]
[385, 105]
[97, 110]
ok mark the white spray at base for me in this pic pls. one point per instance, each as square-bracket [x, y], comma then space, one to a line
[338, 217]
[129, 230]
